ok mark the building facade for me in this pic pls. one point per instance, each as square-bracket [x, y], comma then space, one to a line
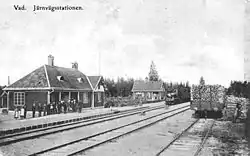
[149, 90]
[50, 83]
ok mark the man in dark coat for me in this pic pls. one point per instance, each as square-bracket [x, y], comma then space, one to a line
[33, 110]
[48, 109]
[44, 109]
[64, 106]
[74, 105]
[40, 109]
[51, 108]
[54, 108]
[80, 106]
[59, 107]
[25, 111]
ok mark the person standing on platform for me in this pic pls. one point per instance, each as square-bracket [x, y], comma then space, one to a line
[44, 109]
[74, 105]
[80, 106]
[62, 106]
[47, 109]
[51, 108]
[22, 113]
[55, 107]
[25, 111]
[57, 103]
[40, 109]
[16, 113]
[77, 106]
[59, 107]
[33, 110]
[66, 107]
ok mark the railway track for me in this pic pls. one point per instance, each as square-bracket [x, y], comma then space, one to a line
[32, 134]
[185, 143]
[64, 122]
[88, 142]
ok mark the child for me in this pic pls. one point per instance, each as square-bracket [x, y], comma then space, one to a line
[16, 113]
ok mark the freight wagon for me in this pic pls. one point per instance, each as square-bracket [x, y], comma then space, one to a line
[207, 100]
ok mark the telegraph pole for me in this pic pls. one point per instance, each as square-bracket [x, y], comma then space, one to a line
[99, 61]
[8, 80]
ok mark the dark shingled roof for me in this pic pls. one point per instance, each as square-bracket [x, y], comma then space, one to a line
[94, 80]
[70, 76]
[147, 86]
[36, 79]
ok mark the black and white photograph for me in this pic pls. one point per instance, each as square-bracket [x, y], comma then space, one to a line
[125, 78]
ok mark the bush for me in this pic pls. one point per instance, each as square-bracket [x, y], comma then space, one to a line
[125, 101]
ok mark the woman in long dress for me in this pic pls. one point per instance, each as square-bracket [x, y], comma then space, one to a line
[22, 113]
[16, 113]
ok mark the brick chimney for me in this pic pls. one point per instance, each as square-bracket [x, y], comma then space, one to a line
[51, 60]
[75, 65]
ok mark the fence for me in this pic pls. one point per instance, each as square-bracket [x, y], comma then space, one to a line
[126, 101]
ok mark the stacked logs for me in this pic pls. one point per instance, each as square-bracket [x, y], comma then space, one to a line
[231, 102]
[208, 93]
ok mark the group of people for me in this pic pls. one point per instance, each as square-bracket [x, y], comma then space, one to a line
[20, 112]
[49, 109]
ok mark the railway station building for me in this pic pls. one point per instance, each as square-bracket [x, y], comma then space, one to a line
[50, 83]
[150, 90]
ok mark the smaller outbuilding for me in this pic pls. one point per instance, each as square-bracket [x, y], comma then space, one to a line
[150, 90]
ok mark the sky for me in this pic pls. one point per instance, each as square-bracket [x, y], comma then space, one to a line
[186, 39]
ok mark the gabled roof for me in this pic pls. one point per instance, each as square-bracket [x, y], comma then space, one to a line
[94, 80]
[147, 86]
[46, 77]
[70, 77]
[35, 79]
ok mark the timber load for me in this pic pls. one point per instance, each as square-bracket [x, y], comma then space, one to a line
[207, 98]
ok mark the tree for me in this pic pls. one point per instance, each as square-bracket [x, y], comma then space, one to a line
[202, 81]
[120, 88]
[153, 74]
[187, 84]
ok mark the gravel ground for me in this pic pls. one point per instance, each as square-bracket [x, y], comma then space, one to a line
[190, 141]
[35, 145]
[147, 141]
[227, 139]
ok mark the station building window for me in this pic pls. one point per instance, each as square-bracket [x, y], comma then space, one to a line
[19, 98]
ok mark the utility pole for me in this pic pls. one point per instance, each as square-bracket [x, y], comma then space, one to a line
[99, 62]
[8, 80]
[99, 59]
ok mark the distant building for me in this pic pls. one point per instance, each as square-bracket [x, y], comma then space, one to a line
[51, 83]
[150, 90]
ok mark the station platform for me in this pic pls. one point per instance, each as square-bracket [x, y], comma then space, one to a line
[9, 125]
